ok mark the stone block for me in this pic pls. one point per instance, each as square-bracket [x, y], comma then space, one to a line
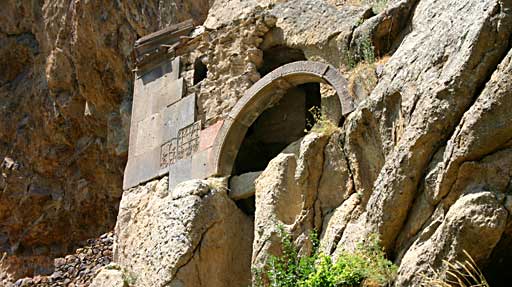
[208, 135]
[188, 140]
[242, 186]
[165, 92]
[177, 116]
[142, 168]
[202, 164]
[179, 172]
[140, 107]
[132, 138]
[149, 134]
[169, 68]
[156, 89]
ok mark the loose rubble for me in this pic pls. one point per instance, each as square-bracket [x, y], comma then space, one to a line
[76, 270]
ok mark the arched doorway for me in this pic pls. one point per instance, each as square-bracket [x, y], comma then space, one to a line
[264, 94]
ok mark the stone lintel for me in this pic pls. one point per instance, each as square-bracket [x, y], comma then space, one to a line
[243, 186]
[151, 48]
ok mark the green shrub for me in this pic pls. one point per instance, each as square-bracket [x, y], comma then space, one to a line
[366, 264]
[289, 268]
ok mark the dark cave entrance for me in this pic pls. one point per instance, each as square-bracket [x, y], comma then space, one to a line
[274, 130]
[278, 126]
[497, 271]
[282, 124]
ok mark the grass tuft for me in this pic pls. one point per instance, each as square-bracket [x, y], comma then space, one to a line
[321, 124]
[463, 273]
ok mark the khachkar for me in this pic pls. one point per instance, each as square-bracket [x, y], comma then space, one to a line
[165, 135]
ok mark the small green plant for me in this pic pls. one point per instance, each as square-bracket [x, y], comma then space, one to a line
[349, 59]
[288, 269]
[459, 274]
[367, 51]
[320, 123]
[113, 266]
[364, 51]
[366, 264]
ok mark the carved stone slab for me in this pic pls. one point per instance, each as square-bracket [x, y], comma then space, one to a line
[201, 151]
[188, 140]
[177, 116]
[157, 89]
[168, 153]
[181, 147]
[159, 112]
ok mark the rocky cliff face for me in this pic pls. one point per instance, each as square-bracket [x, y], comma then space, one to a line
[65, 102]
[425, 160]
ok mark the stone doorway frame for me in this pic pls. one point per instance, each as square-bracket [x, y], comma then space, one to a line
[262, 95]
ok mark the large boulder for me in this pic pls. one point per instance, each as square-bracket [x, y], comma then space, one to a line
[427, 85]
[473, 224]
[287, 197]
[192, 236]
[66, 86]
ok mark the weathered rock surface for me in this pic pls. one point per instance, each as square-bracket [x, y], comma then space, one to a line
[322, 31]
[426, 158]
[425, 161]
[109, 277]
[474, 223]
[287, 197]
[433, 130]
[65, 100]
[192, 236]
[414, 109]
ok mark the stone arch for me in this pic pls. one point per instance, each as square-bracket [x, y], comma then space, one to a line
[262, 95]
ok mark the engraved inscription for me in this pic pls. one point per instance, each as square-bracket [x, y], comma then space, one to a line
[181, 147]
[188, 140]
[168, 153]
